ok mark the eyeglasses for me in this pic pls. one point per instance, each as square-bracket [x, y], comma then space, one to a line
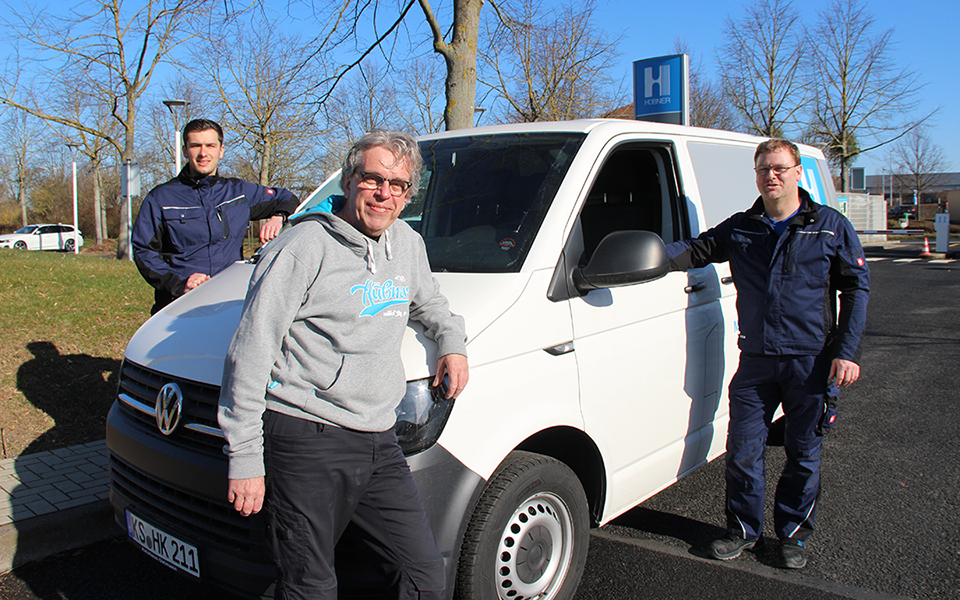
[372, 181]
[776, 170]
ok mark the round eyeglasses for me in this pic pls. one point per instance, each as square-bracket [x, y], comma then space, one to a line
[372, 181]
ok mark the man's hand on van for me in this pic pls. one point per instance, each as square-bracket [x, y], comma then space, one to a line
[271, 229]
[246, 495]
[195, 280]
[455, 367]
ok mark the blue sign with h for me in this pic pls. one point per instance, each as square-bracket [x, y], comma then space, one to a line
[660, 89]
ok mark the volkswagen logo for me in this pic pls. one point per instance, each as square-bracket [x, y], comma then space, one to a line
[169, 406]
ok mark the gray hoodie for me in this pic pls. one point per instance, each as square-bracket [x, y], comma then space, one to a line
[321, 329]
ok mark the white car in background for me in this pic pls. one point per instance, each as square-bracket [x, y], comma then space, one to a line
[43, 237]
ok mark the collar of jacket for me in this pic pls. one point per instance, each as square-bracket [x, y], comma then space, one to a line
[806, 216]
[186, 178]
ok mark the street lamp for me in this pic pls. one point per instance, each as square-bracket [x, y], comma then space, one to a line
[76, 226]
[170, 104]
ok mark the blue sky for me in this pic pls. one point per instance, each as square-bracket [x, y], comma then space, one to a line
[925, 36]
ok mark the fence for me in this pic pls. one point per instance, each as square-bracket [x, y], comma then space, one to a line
[867, 213]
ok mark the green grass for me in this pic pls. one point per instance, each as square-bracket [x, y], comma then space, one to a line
[64, 323]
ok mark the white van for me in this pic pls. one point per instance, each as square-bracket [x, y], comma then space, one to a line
[597, 377]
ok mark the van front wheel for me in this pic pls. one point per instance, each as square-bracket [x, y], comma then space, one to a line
[528, 535]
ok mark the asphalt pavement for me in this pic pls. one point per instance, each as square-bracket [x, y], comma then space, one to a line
[889, 518]
[889, 515]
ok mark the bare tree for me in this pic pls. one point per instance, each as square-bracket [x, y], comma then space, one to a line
[365, 101]
[113, 51]
[861, 100]
[73, 102]
[709, 106]
[920, 163]
[265, 82]
[760, 66]
[419, 94]
[551, 64]
[21, 135]
[459, 53]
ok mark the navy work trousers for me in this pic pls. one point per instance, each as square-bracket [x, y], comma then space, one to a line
[760, 385]
[322, 478]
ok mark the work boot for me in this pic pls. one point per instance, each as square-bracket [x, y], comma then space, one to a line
[729, 546]
[793, 553]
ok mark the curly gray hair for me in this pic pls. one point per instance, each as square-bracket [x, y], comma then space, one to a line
[402, 145]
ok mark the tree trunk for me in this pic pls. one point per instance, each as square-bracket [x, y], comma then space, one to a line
[265, 157]
[461, 59]
[461, 85]
[22, 197]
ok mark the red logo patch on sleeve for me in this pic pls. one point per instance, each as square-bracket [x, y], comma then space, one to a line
[269, 191]
[860, 262]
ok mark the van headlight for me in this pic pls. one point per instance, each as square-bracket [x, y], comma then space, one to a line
[422, 414]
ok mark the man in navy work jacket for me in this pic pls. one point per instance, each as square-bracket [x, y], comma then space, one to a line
[788, 256]
[192, 227]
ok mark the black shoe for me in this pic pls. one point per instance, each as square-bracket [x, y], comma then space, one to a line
[729, 546]
[793, 554]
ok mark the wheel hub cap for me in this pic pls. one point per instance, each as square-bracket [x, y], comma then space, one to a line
[535, 551]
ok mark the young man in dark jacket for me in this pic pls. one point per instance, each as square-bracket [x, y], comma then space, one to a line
[192, 227]
[788, 257]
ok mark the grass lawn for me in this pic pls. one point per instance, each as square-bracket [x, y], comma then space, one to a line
[64, 323]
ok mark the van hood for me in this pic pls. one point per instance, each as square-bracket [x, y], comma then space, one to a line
[189, 338]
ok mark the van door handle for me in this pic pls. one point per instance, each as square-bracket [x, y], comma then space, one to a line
[697, 287]
[726, 280]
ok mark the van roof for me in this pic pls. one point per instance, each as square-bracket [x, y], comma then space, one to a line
[613, 127]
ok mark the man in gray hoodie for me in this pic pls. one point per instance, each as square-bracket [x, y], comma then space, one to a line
[313, 376]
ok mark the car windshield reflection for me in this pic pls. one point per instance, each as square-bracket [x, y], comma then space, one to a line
[483, 198]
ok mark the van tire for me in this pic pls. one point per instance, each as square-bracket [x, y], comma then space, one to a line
[533, 511]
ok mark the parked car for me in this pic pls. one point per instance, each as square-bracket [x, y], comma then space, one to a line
[597, 377]
[902, 210]
[43, 237]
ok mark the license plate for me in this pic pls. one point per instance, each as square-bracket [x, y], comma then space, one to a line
[162, 546]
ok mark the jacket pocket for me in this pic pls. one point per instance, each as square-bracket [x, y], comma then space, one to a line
[368, 379]
[185, 226]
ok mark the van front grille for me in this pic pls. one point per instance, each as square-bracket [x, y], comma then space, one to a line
[212, 521]
[198, 427]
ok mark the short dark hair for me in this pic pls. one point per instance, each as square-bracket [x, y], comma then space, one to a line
[202, 125]
[403, 146]
[774, 144]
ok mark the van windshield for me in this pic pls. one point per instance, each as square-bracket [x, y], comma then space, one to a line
[482, 198]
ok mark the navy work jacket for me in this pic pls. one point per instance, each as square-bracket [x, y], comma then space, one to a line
[787, 284]
[189, 225]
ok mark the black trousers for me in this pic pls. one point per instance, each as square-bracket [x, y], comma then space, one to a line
[322, 479]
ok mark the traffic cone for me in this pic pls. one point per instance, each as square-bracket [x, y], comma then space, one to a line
[926, 248]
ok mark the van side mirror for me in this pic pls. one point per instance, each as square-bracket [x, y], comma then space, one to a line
[623, 258]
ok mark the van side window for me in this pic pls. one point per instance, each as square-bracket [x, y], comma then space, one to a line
[723, 190]
[636, 189]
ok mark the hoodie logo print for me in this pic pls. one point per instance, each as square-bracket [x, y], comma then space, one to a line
[378, 296]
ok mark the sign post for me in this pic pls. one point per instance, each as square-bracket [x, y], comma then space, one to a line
[130, 186]
[661, 89]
